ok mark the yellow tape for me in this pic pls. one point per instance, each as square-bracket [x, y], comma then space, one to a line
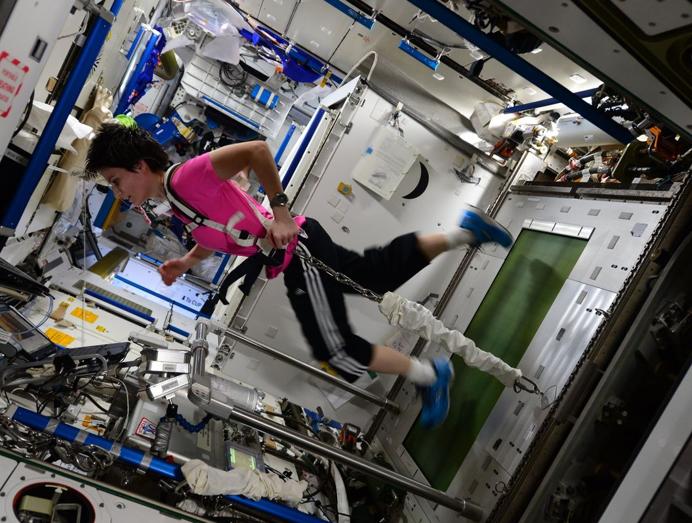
[87, 316]
[59, 337]
[101, 328]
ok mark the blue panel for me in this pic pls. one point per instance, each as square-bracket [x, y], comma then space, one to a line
[222, 266]
[156, 294]
[419, 55]
[363, 20]
[284, 144]
[132, 48]
[264, 97]
[233, 114]
[180, 331]
[307, 60]
[282, 512]
[316, 119]
[123, 103]
[544, 103]
[520, 66]
[105, 209]
[149, 259]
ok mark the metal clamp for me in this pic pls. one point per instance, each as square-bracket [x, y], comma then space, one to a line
[526, 385]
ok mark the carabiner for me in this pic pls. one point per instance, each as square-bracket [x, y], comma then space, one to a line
[529, 386]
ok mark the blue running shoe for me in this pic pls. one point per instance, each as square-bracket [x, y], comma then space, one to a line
[484, 228]
[436, 396]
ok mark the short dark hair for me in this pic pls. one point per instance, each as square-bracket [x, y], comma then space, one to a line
[117, 145]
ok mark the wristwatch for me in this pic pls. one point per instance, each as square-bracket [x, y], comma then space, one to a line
[279, 200]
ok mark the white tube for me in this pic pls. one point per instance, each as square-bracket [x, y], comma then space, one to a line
[414, 317]
[342, 506]
[372, 67]
[209, 481]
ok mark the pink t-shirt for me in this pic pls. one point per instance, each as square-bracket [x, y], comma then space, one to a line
[196, 183]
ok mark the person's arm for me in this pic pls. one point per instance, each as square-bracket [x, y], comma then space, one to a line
[242, 179]
[171, 269]
[255, 155]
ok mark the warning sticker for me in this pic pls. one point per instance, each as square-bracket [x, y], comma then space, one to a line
[12, 73]
[59, 337]
[146, 428]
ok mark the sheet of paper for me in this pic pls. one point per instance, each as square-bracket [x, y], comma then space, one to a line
[385, 162]
[338, 397]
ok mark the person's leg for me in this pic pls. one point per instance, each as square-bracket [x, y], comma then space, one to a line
[475, 228]
[432, 245]
[387, 267]
[432, 377]
[319, 306]
[389, 361]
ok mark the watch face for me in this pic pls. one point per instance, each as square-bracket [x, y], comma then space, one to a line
[279, 199]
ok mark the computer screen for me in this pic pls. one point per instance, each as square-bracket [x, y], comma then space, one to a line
[238, 456]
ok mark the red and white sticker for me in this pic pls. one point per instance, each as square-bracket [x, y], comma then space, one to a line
[12, 74]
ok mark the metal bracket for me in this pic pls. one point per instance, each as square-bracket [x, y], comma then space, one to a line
[98, 10]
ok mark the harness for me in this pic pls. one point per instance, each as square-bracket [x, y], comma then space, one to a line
[240, 237]
[250, 267]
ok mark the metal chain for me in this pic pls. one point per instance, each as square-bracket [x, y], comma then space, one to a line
[339, 277]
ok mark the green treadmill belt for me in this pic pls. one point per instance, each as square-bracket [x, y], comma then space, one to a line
[506, 321]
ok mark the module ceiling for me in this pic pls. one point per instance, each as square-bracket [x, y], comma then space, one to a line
[336, 38]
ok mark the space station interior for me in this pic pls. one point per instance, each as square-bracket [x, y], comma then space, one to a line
[123, 398]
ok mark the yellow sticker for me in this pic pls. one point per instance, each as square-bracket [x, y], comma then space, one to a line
[88, 316]
[101, 328]
[59, 337]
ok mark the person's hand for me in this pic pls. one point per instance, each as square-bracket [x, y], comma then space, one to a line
[171, 269]
[282, 230]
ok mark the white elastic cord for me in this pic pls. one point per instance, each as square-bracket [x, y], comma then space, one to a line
[414, 317]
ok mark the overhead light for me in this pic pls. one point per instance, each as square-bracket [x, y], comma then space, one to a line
[537, 50]
[438, 76]
[577, 78]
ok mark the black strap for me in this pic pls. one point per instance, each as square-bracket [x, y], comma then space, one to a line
[250, 268]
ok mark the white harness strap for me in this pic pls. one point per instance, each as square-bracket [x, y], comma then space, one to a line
[240, 237]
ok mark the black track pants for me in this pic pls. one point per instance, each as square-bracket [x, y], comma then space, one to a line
[318, 300]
